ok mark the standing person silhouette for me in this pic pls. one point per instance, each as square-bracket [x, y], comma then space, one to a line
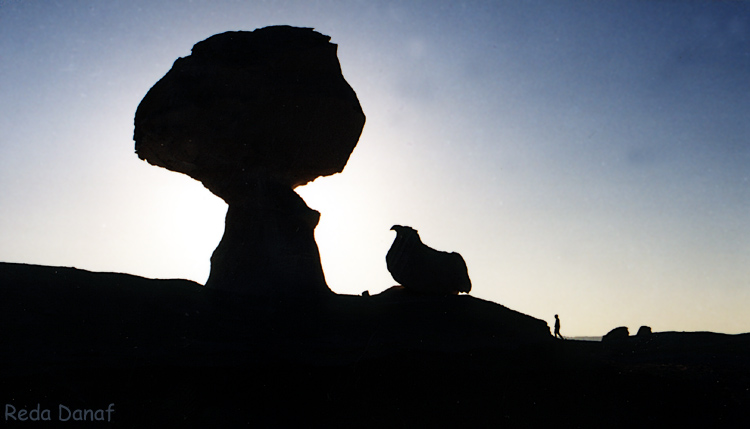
[557, 328]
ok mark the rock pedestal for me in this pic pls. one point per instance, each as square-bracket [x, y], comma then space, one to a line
[269, 246]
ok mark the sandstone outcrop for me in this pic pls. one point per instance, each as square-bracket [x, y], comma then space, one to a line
[617, 334]
[644, 331]
[252, 115]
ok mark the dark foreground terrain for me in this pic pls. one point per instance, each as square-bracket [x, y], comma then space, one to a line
[171, 353]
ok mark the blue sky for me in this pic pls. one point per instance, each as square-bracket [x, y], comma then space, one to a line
[588, 159]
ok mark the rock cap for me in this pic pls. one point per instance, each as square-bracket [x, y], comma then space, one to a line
[269, 104]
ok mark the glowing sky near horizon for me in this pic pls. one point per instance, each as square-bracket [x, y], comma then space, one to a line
[588, 159]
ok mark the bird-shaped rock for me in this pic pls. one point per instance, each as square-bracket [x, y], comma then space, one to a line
[422, 269]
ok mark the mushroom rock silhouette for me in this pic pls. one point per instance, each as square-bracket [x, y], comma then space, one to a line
[252, 115]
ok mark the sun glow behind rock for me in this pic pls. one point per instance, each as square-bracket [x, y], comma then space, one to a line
[185, 225]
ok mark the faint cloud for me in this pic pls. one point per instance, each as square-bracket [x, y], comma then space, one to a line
[419, 88]
[415, 78]
[738, 27]
[640, 157]
[416, 48]
[715, 41]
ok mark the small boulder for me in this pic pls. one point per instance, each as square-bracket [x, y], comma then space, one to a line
[617, 334]
[423, 269]
[643, 331]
